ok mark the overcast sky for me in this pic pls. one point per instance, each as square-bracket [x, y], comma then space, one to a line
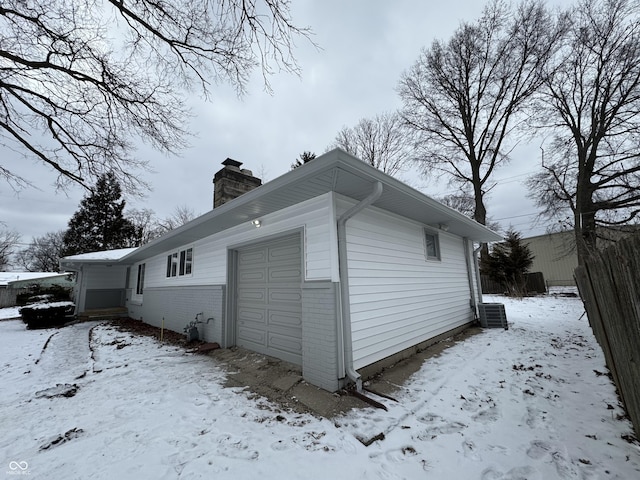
[365, 47]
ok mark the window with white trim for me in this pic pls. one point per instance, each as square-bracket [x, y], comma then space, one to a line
[180, 263]
[140, 280]
[431, 244]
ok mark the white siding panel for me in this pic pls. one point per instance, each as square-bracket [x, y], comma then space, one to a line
[315, 216]
[103, 277]
[398, 297]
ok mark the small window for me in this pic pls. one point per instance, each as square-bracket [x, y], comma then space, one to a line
[172, 264]
[189, 262]
[186, 259]
[432, 245]
[140, 282]
[180, 263]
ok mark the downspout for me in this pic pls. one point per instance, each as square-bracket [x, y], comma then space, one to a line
[344, 282]
[467, 253]
[478, 280]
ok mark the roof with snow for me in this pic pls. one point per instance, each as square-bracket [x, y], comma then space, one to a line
[103, 256]
[8, 277]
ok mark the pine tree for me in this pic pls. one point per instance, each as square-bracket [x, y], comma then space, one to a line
[508, 262]
[305, 157]
[99, 223]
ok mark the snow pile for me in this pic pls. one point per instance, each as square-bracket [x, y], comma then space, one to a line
[46, 305]
[533, 402]
[9, 313]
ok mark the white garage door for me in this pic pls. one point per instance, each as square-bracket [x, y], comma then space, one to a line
[269, 298]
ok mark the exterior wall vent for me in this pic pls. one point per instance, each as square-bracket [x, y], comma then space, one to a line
[493, 315]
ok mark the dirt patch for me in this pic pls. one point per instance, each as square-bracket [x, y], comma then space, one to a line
[60, 439]
[140, 328]
[60, 390]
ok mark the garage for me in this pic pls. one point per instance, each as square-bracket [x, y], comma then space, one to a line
[269, 298]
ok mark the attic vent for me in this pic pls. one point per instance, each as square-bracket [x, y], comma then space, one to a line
[493, 315]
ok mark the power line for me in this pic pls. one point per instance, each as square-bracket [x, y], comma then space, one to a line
[516, 216]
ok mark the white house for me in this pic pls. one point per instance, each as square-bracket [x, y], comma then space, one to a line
[333, 266]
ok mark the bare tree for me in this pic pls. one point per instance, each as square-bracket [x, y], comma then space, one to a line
[465, 204]
[463, 97]
[9, 240]
[146, 225]
[82, 82]
[591, 104]
[43, 253]
[462, 202]
[382, 142]
[181, 215]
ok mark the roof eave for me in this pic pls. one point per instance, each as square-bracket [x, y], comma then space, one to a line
[336, 160]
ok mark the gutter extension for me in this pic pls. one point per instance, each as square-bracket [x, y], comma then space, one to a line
[344, 282]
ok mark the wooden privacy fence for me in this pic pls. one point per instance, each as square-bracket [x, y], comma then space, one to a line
[8, 296]
[609, 284]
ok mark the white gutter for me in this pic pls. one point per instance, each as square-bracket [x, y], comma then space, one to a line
[344, 282]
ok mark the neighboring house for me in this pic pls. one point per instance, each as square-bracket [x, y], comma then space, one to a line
[555, 253]
[333, 266]
[555, 256]
[14, 283]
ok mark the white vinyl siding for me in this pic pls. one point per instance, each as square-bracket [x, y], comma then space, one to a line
[398, 297]
[104, 277]
[314, 216]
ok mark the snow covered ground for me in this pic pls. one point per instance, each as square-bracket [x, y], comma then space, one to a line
[532, 402]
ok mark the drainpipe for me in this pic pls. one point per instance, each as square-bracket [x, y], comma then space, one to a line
[344, 282]
[474, 303]
[475, 261]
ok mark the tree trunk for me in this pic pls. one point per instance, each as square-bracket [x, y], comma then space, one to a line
[480, 215]
[584, 221]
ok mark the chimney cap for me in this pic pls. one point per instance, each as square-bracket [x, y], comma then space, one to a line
[230, 162]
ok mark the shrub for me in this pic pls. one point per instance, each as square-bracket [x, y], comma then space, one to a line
[45, 315]
[36, 293]
[508, 263]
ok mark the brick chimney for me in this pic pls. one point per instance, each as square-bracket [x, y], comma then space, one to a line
[231, 182]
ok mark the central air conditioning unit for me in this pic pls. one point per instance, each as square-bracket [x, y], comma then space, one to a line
[493, 315]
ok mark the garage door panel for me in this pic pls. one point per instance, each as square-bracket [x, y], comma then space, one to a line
[284, 319]
[252, 294]
[254, 315]
[252, 276]
[284, 253]
[283, 295]
[252, 336]
[284, 344]
[269, 298]
[251, 257]
[284, 273]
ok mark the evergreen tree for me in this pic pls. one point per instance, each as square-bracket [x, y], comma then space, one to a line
[99, 223]
[508, 262]
[304, 158]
